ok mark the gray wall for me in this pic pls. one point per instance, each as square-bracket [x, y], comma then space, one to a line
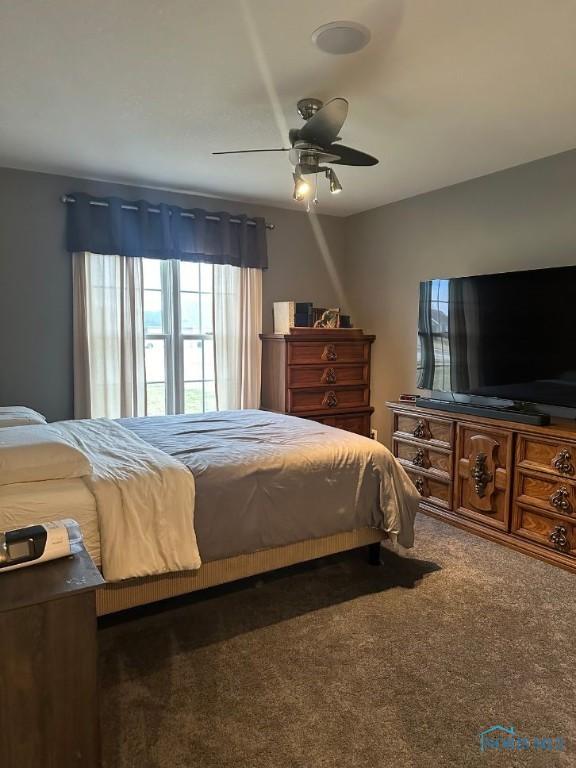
[516, 219]
[521, 218]
[36, 281]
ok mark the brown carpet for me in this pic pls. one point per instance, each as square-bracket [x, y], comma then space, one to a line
[341, 664]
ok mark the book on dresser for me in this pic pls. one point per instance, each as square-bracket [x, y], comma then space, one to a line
[320, 374]
[508, 481]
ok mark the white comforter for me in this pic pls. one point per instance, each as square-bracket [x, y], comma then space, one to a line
[144, 498]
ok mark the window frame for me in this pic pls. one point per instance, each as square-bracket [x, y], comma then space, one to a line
[174, 337]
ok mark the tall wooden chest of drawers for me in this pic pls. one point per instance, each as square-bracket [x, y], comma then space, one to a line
[510, 482]
[319, 374]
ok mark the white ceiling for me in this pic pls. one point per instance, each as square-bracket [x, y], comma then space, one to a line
[142, 91]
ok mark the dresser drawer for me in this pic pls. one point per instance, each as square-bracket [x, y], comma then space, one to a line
[431, 489]
[551, 456]
[351, 422]
[551, 493]
[302, 400]
[316, 375]
[424, 428]
[315, 352]
[416, 456]
[550, 531]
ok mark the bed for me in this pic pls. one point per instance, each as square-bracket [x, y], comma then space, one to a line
[268, 490]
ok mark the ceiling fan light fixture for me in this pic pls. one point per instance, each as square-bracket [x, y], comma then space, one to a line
[335, 186]
[341, 37]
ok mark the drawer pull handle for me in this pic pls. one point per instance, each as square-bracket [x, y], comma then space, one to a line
[563, 462]
[480, 474]
[420, 484]
[329, 376]
[329, 352]
[330, 400]
[421, 430]
[420, 459]
[560, 500]
[559, 538]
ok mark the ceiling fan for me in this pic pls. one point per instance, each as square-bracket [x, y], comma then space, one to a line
[315, 145]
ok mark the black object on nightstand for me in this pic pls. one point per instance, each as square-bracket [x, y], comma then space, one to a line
[48, 665]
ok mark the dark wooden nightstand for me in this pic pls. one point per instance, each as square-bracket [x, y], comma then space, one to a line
[48, 665]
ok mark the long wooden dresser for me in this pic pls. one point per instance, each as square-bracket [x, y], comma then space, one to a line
[510, 482]
[319, 374]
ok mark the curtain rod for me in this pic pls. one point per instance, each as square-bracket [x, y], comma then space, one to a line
[69, 199]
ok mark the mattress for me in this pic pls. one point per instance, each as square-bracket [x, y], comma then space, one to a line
[267, 480]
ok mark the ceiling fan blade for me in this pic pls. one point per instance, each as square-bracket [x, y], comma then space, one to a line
[324, 126]
[247, 151]
[349, 156]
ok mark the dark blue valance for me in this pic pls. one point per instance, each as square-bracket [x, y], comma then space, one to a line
[110, 225]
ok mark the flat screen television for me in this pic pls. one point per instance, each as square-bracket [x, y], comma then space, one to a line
[508, 336]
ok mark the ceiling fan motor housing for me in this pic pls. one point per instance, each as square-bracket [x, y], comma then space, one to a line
[308, 162]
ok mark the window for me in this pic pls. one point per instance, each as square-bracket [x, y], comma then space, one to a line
[178, 321]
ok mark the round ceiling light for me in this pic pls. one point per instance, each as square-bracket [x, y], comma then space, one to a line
[340, 37]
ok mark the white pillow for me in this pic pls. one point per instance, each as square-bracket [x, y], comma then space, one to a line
[18, 416]
[39, 452]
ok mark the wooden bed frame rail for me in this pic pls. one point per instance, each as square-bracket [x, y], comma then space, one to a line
[120, 596]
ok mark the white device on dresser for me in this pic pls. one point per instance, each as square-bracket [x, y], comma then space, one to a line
[35, 544]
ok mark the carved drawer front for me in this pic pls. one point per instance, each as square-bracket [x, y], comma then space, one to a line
[320, 375]
[550, 531]
[432, 490]
[425, 428]
[419, 456]
[315, 352]
[483, 463]
[553, 456]
[551, 493]
[357, 422]
[302, 400]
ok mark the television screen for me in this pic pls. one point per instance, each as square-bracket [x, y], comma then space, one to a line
[507, 336]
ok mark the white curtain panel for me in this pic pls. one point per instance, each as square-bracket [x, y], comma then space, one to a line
[237, 325]
[109, 374]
